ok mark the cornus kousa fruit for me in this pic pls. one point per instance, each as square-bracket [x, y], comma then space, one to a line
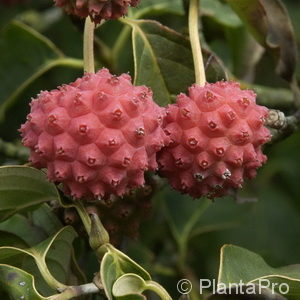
[97, 9]
[97, 135]
[216, 136]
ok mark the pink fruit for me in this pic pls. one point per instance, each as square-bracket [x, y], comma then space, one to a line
[97, 135]
[216, 136]
[97, 9]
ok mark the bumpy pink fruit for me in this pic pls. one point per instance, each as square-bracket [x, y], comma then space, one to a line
[216, 136]
[97, 135]
[97, 9]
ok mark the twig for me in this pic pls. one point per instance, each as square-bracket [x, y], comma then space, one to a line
[76, 291]
[282, 126]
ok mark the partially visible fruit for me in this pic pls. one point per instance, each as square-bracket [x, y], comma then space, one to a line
[97, 9]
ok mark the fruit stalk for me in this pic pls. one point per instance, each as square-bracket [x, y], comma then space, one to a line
[195, 42]
[88, 46]
[84, 216]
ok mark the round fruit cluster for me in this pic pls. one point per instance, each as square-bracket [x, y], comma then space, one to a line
[216, 136]
[99, 134]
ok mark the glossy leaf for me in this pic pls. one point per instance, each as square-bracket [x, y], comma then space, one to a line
[114, 264]
[109, 273]
[23, 232]
[157, 7]
[128, 284]
[18, 284]
[127, 265]
[20, 227]
[25, 64]
[163, 60]
[45, 219]
[183, 214]
[245, 51]
[13, 58]
[132, 297]
[220, 13]
[23, 188]
[8, 12]
[32, 228]
[56, 253]
[270, 24]
[224, 214]
[53, 257]
[132, 285]
[237, 264]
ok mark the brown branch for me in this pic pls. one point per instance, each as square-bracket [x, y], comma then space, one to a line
[282, 126]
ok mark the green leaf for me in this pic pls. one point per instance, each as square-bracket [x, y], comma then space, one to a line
[157, 7]
[128, 284]
[24, 232]
[245, 51]
[109, 274]
[270, 24]
[220, 13]
[48, 223]
[53, 257]
[132, 297]
[45, 219]
[25, 64]
[163, 60]
[132, 285]
[238, 264]
[21, 227]
[114, 264]
[22, 62]
[18, 284]
[9, 12]
[222, 215]
[31, 228]
[23, 188]
[56, 253]
[183, 214]
[127, 265]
